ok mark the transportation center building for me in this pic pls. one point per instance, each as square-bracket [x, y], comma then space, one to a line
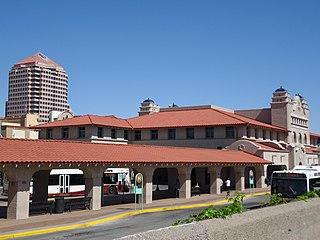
[22, 160]
[197, 144]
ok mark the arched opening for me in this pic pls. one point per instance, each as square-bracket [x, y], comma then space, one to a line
[294, 137]
[200, 177]
[160, 188]
[305, 139]
[271, 169]
[3, 195]
[300, 138]
[228, 172]
[247, 176]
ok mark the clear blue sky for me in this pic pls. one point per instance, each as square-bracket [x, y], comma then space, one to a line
[233, 54]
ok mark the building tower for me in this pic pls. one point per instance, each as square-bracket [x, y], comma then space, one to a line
[291, 114]
[37, 85]
[148, 106]
[280, 107]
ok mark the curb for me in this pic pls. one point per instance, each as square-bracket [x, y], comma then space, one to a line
[112, 218]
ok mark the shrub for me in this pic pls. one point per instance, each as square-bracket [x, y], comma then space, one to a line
[212, 212]
[275, 199]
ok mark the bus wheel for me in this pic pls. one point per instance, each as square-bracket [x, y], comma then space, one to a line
[112, 190]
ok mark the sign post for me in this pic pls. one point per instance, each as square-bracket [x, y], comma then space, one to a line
[138, 189]
[251, 181]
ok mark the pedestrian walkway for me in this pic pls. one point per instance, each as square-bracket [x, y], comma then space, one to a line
[107, 213]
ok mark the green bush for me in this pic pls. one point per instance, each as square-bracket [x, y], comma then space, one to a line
[311, 194]
[212, 212]
[275, 199]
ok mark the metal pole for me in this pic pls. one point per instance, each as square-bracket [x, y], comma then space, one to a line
[142, 192]
[135, 195]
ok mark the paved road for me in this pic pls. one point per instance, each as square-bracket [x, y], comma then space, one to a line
[132, 225]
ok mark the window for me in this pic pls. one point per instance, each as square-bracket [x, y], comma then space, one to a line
[81, 132]
[100, 132]
[113, 133]
[137, 135]
[209, 132]
[76, 179]
[278, 136]
[271, 135]
[154, 134]
[171, 134]
[125, 134]
[264, 134]
[256, 133]
[229, 132]
[248, 132]
[190, 133]
[49, 133]
[65, 133]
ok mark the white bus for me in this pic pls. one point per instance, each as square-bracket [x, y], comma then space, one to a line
[71, 182]
[295, 182]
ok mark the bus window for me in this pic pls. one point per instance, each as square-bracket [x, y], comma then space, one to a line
[110, 178]
[289, 187]
[76, 179]
[53, 180]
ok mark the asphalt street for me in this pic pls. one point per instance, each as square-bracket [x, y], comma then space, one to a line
[134, 224]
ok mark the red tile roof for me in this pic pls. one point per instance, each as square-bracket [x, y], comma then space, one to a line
[312, 150]
[166, 119]
[266, 147]
[194, 118]
[314, 135]
[111, 121]
[38, 58]
[45, 151]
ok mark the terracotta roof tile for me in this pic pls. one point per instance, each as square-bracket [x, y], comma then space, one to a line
[314, 135]
[266, 147]
[111, 121]
[41, 151]
[194, 118]
[167, 119]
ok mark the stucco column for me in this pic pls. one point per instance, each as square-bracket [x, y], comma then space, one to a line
[18, 193]
[40, 186]
[147, 184]
[261, 173]
[240, 178]
[215, 180]
[201, 176]
[93, 182]
[185, 182]
[172, 176]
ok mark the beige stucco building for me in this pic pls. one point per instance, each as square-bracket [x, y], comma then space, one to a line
[279, 134]
[19, 127]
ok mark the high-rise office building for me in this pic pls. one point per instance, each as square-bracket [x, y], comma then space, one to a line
[37, 85]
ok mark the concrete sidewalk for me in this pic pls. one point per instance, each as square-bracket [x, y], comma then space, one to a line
[46, 221]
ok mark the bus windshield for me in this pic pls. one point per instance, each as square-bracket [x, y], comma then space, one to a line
[110, 178]
[289, 187]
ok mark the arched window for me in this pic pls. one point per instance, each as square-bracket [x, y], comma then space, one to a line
[294, 137]
[305, 139]
[300, 138]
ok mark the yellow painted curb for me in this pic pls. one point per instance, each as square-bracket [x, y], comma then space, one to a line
[108, 219]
